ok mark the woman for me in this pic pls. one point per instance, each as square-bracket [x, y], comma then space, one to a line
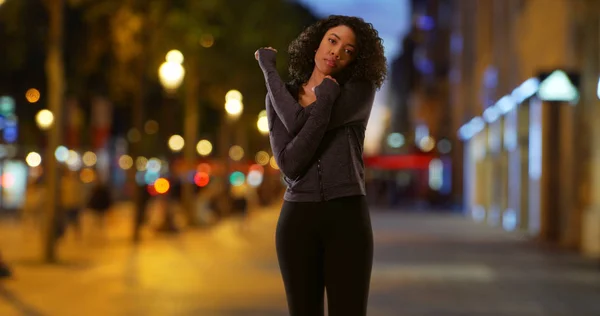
[317, 128]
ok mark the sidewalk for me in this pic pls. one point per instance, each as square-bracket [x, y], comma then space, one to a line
[210, 269]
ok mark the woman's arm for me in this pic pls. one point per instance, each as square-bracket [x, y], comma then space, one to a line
[292, 114]
[353, 106]
[293, 153]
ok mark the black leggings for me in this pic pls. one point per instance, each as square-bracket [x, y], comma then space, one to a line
[326, 245]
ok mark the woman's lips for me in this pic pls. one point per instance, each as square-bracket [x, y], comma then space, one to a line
[330, 63]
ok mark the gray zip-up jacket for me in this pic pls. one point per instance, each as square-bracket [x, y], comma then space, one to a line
[319, 147]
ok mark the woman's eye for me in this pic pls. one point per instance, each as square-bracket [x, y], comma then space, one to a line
[349, 52]
[332, 41]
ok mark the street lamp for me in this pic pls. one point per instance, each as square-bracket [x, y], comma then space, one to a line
[171, 74]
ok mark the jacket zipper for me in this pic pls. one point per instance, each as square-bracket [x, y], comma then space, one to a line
[320, 180]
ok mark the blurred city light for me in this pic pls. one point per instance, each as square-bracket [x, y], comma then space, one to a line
[204, 167]
[204, 147]
[73, 160]
[161, 185]
[436, 169]
[176, 143]
[125, 162]
[236, 153]
[89, 158]
[201, 179]
[233, 95]
[8, 180]
[262, 158]
[150, 177]
[237, 178]
[395, 140]
[7, 105]
[255, 178]
[427, 143]
[207, 40]
[151, 127]
[154, 165]
[174, 56]
[273, 163]
[32, 95]
[61, 153]
[263, 125]
[256, 167]
[87, 175]
[44, 119]
[134, 136]
[234, 107]
[444, 146]
[33, 159]
[171, 72]
[558, 87]
[141, 163]
[527, 89]
[598, 88]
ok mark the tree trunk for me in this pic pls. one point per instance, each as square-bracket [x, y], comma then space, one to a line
[191, 117]
[56, 88]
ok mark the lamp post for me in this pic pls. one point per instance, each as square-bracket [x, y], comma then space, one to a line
[171, 74]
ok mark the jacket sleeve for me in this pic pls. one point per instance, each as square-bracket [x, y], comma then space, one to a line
[294, 153]
[290, 112]
[353, 106]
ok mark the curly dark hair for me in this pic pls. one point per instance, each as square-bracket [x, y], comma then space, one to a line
[370, 63]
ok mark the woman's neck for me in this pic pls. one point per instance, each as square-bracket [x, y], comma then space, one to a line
[315, 78]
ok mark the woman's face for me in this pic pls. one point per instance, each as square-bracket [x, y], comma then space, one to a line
[336, 51]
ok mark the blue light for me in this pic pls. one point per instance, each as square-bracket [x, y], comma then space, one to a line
[425, 23]
[10, 134]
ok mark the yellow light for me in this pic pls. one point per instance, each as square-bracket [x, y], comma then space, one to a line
[234, 107]
[125, 162]
[263, 125]
[171, 75]
[33, 159]
[140, 163]
[262, 113]
[134, 135]
[204, 147]
[236, 152]
[262, 158]
[151, 127]
[89, 158]
[207, 40]
[427, 143]
[32, 95]
[44, 119]
[161, 185]
[273, 163]
[176, 143]
[87, 175]
[174, 56]
[233, 95]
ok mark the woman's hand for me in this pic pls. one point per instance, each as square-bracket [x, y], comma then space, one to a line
[269, 48]
[331, 78]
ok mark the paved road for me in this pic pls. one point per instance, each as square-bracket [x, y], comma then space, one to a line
[425, 264]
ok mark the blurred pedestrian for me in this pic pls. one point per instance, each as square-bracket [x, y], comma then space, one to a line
[317, 128]
[71, 198]
[100, 202]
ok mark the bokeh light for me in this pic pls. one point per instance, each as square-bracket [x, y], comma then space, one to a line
[233, 95]
[201, 179]
[207, 40]
[262, 158]
[125, 162]
[236, 153]
[204, 147]
[263, 125]
[255, 178]
[234, 107]
[237, 178]
[87, 175]
[73, 160]
[395, 140]
[61, 153]
[154, 165]
[141, 163]
[204, 167]
[89, 158]
[176, 143]
[44, 119]
[161, 185]
[273, 163]
[134, 136]
[151, 127]
[427, 143]
[33, 159]
[32, 95]
[174, 56]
